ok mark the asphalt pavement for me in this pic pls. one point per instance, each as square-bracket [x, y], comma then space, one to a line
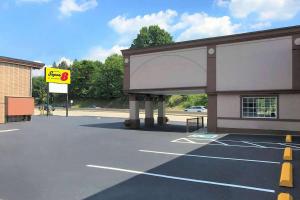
[59, 158]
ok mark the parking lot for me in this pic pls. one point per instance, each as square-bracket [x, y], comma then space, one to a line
[91, 158]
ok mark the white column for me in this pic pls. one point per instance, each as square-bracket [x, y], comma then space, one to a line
[134, 112]
[149, 119]
[161, 118]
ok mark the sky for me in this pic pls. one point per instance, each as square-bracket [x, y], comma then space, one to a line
[56, 30]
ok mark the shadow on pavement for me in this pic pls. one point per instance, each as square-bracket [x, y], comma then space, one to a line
[251, 174]
[178, 127]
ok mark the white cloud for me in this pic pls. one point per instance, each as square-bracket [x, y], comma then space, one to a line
[38, 72]
[129, 27]
[264, 9]
[122, 24]
[67, 60]
[189, 26]
[100, 53]
[201, 25]
[67, 7]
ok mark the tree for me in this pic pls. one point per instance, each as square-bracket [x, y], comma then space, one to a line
[186, 101]
[39, 89]
[54, 65]
[108, 79]
[151, 36]
[63, 65]
[81, 78]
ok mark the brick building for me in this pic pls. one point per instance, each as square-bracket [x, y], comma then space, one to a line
[16, 88]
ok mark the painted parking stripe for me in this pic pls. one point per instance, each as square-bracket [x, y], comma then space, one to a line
[256, 142]
[288, 145]
[217, 141]
[9, 130]
[293, 145]
[229, 145]
[207, 141]
[183, 140]
[190, 141]
[253, 144]
[183, 179]
[211, 157]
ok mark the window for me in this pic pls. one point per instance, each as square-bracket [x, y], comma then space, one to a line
[259, 107]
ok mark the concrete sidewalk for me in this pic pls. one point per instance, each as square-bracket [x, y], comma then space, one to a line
[122, 113]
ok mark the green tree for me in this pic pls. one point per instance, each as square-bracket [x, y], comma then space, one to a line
[185, 101]
[54, 65]
[39, 89]
[108, 79]
[196, 100]
[151, 36]
[81, 78]
[63, 65]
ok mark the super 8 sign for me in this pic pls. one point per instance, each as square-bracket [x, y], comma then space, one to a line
[54, 75]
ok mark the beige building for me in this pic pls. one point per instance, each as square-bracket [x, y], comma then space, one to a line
[252, 79]
[15, 88]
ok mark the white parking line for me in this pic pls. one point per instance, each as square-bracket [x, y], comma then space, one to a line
[288, 145]
[184, 179]
[219, 142]
[9, 130]
[211, 157]
[256, 142]
[253, 144]
[185, 140]
[228, 145]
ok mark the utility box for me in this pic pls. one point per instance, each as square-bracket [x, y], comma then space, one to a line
[19, 108]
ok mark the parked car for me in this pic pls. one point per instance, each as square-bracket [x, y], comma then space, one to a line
[196, 109]
[51, 108]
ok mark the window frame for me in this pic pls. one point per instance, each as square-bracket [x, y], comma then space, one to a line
[257, 117]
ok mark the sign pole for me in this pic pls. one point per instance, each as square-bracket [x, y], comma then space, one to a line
[47, 99]
[67, 105]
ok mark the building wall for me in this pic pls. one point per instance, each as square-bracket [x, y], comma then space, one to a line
[289, 106]
[255, 65]
[228, 114]
[228, 106]
[259, 124]
[14, 81]
[169, 69]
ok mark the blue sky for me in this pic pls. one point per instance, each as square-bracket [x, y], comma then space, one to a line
[54, 30]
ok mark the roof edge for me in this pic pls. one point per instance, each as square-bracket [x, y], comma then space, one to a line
[263, 34]
[27, 63]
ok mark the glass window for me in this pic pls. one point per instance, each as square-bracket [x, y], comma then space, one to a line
[259, 107]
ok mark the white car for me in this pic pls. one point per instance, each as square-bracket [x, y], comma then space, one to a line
[196, 109]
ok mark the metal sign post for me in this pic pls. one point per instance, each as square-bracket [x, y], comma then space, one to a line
[67, 105]
[47, 100]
